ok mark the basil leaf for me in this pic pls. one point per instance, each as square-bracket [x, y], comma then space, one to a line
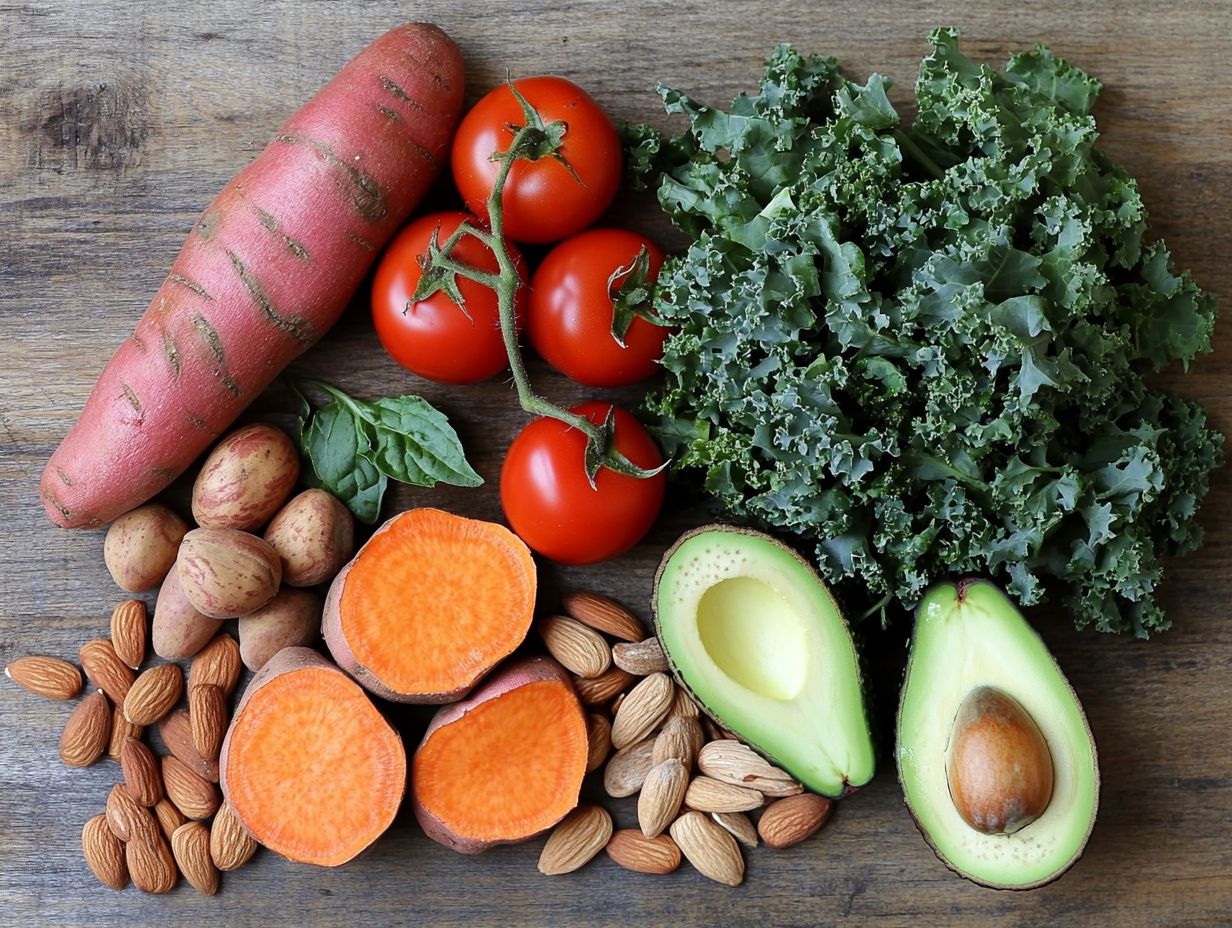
[416, 444]
[337, 449]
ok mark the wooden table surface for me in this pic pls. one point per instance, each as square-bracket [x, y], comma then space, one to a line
[119, 122]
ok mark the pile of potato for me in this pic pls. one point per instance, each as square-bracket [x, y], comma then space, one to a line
[223, 569]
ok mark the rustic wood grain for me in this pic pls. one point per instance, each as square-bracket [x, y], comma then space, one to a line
[119, 121]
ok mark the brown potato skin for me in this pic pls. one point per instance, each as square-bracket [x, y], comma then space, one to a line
[226, 573]
[314, 534]
[290, 619]
[141, 546]
[179, 630]
[246, 478]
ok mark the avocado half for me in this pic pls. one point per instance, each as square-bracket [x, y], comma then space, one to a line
[968, 636]
[752, 632]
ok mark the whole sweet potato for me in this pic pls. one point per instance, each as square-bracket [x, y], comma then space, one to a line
[314, 534]
[266, 270]
[244, 480]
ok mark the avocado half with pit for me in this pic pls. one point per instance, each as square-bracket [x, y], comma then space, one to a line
[752, 632]
[995, 757]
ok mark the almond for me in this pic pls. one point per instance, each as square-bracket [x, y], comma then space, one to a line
[192, 794]
[231, 846]
[789, 821]
[658, 804]
[104, 853]
[595, 691]
[45, 676]
[125, 817]
[121, 730]
[599, 739]
[150, 863]
[219, 663]
[738, 825]
[142, 778]
[129, 632]
[706, 794]
[680, 738]
[640, 658]
[580, 650]
[105, 669]
[634, 851]
[581, 835]
[643, 709]
[154, 694]
[605, 615]
[207, 716]
[710, 849]
[683, 706]
[176, 732]
[86, 732]
[169, 817]
[737, 763]
[626, 771]
[191, 846]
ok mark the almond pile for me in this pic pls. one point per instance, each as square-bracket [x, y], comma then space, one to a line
[695, 784]
[156, 823]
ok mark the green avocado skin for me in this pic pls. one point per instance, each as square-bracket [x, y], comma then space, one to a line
[969, 634]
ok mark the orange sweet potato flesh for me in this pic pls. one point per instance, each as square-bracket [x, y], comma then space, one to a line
[311, 767]
[505, 764]
[429, 605]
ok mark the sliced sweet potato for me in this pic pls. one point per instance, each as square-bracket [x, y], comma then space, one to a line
[505, 764]
[309, 765]
[429, 605]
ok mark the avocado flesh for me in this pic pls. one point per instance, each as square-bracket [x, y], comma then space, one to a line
[971, 635]
[753, 633]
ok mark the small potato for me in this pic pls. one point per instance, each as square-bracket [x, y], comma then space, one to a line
[226, 573]
[314, 534]
[291, 618]
[247, 476]
[180, 631]
[140, 546]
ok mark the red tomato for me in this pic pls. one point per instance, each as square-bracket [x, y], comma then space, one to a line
[570, 322]
[434, 337]
[551, 505]
[543, 201]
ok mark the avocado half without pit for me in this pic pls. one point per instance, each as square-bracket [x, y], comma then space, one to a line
[995, 757]
[752, 632]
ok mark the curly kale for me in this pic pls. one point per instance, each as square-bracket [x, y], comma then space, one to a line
[923, 347]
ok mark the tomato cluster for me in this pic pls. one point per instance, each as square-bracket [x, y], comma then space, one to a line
[584, 309]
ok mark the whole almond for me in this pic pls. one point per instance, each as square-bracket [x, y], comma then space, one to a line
[626, 771]
[658, 804]
[580, 650]
[121, 730]
[142, 777]
[643, 709]
[104, 853]
[640, 658]
[634, 851]
[192, 794]
[709, 848]
[706, 794]
[231, 846]
[681, 738]
[684, 706]
[87, 731]
[45, 676]
[736, 763]
[605, 615]
[150, 863]
[581, 835]
[105, 669]
[176, 732]
[219, 662]
[169, 817]
[125, 817]
[129, 631]
[599, 741]
[191, 846]
[207, 715]
[154, 694]
[738, 825]
[789, 821]
[595, 691]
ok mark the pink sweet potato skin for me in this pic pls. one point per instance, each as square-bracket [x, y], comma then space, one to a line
[509, 677]
[267, 269]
